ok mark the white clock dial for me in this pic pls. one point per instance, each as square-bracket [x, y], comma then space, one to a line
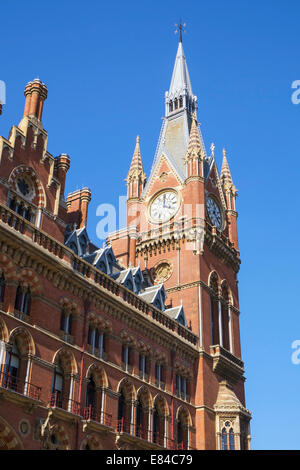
[214, 213]
[164, 206]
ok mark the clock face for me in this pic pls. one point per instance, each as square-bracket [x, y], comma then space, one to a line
[214, 213]
[164, 206]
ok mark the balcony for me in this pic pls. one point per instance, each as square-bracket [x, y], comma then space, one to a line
[226, 364]
[20, 387]
[64, 406]
[91, 414]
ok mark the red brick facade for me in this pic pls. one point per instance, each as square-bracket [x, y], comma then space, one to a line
[147, 381]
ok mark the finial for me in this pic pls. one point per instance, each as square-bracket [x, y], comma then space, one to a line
[180, 27]
[224, 153]
[212, 149]
[137, 139]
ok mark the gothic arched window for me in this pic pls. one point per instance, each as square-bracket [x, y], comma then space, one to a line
[224, 439]
[23, 300]
[66, 321]
[214, 309]
[12, 368]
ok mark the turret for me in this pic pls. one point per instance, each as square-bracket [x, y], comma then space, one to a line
[35, 95]
[230, 192]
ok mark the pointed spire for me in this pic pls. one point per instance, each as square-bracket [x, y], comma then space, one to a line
[180, 80]
[136, 171]
[136, 166]
[225, 172]
[195, 144]
[194, 154]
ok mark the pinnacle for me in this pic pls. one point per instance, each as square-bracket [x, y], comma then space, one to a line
[225, 172]
[194, 140]
[136, 167]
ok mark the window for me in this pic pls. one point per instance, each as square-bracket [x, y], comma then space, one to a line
[181, 387]
[66, 322]
[96, 340]
[57, 387]
[11, 369]
[23, 300]
[159, 375]
[91, 393]
[171, 106]
[126, 357]
[228, 442]
[143, 366]
[224, 439]
[21, 209]
[139, 420]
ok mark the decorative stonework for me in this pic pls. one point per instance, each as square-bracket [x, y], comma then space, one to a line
[162, 271]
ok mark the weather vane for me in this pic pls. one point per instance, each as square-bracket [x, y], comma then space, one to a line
[180, 28]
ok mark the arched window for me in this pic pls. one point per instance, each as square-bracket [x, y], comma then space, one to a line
[228, 442]
[180, 102]
[156, 426]
[231, 439]
[143, 366]
[23, 300]
[159, 375]
[171, 106]
[91, 393]
[179, 432]
[225, 317]
[214, 312]
[12, 368]
[66, 321]
[176, 103]
[124, 417]
[224, 439]
[183, 425]
[2, 287]
[57, 388]
[96, 341]
[126, 357]
[139, 420]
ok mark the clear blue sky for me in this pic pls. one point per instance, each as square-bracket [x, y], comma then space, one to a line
[107, 66]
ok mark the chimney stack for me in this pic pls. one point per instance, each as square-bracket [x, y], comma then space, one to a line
[35, 95]
[77, 204]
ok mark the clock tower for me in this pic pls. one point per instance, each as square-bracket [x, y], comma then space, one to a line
[182, 230]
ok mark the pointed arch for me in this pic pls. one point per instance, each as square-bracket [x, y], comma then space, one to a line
[4, 335]
[29, 172]
[145, 396]
[67, 360]
[183, 412]
[99, 375]
[23, 340]
[128, 389]
[162, 405]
